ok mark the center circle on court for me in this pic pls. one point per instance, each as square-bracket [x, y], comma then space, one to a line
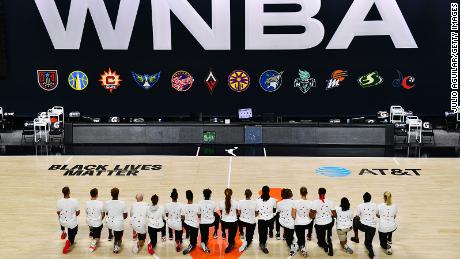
[333, 171]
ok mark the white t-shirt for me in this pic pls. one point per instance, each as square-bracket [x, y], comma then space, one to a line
[303, 208]
[247, 211]
[190, 212]
[265, 208]
[387, 222]
[367, 213]
[68, 212]
[344, 218]
[231, 216]
[323, 211]
[94, 210]
[115, 210]
[207, 209]
[174, 221]
[155, 216]
[138, 214]
[285, 209]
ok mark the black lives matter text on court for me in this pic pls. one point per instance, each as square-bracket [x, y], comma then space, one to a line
[394, 171]
[104, 170]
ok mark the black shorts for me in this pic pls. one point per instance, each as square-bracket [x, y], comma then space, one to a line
[141, 237]
[95, 232]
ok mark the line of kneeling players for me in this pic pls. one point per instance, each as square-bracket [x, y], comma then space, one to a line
[297, 218]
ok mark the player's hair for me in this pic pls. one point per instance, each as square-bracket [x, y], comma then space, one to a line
[114, 192]
[303, 191]
[265, 193]
[154, 200]
[367, 197]
[388, 199]
[189, 195]
[322, 193]
[344, 204]
[174, 194]
[228, 200]
[207, 193]
[248, 193]
[93, 192]
[286, 194]
[65, 190]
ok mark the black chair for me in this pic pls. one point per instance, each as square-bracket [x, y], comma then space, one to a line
[28, 132]
[56, 133]
[401, 132]
[427, 131]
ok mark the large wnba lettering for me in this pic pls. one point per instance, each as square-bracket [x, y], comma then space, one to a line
[217, 37]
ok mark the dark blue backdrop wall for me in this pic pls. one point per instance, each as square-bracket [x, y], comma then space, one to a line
[29, 49]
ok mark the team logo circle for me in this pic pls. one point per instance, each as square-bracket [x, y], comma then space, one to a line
[78, 80]
[182, 81]
[333, 171]
[271, 80]
[239, 81]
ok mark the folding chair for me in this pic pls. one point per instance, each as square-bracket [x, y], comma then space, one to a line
[400, 132]
[414, 124]
[428, 131]
[28, 132]
[56, 132]
[397, 114]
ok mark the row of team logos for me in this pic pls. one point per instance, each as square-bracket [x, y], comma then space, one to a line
[238, 80]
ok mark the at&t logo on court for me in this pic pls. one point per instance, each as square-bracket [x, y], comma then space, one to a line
[333, 171]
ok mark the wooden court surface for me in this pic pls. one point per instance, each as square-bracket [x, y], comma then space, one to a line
[429, 225]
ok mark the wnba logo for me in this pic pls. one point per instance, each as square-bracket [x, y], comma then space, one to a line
[333, 171]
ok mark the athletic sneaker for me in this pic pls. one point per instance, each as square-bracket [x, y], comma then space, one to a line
[215, 235]
[303, 251]
[110, 237]
[243, 247]
[293, 250]
[205, 248]
[188, 249]
[229, 248]
[66, 248]
[389, 251]
[178, 246]
[371, 255]
[163, 239]
[63, 235]
[264, 249]
[150, 249]
[355, 239]
[136, 248]
[348, 250]
[92, 246]
[278, 236]
[116, 249]
[171, 238]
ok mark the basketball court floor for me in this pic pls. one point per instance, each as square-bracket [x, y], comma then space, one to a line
[429, 222]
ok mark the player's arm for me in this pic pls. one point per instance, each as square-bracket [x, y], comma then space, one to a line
[294, 213]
